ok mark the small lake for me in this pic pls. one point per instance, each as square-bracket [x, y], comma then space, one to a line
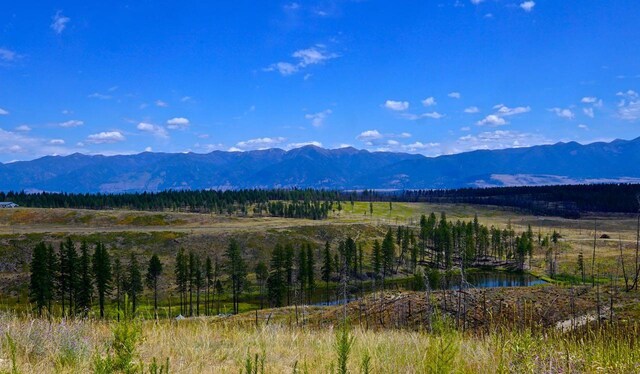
[476, 279]
[501, 279]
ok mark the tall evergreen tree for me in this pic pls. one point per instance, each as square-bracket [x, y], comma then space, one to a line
[154, 270]
[85, 280]
[376, 258]
[102, 274]
[208, 274]
[119, 282]
[388, 255]
[41, 281]
[262, 274]
[198, 281]
[288, 266]
[276, 283]
[182, 275]
[237, 271]
[134, 282]
[327, 267]
[302, 271]
[311, 273]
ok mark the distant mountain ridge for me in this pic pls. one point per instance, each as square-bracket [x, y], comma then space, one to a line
[314, 167]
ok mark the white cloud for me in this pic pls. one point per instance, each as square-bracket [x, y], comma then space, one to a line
[404, 135]
[397, 106]
[588, 112]
[161, 104]
[260, 143]
[177, 123]
[23, 128]
[563, 113]
[234, 149]
[186, 99]
[157, 131]
[317, 119]
[59, 22]
[476, 2]
[148, 149]
[492, 120]
[472, 110]
[589, 100]
[56, 142]
[304, 57]
[454, 95]
[415, 117]
[501, 111]
[583, 127]
[30, 147]
[369, 135]
[629, 106]
[105, 137]
[7, 55]
[303, 144]
[527, 6]
[3, 112]
[71, 123]
[505, 111]
[429, 101]
[499, 139]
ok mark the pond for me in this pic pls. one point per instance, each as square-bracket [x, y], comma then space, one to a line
[493, 279]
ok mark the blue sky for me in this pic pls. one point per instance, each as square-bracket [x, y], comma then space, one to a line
[430, 77]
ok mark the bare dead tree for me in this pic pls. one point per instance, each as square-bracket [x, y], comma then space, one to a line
[593, 258]
[624, 271]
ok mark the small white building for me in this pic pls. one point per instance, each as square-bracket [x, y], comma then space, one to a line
[8, 204]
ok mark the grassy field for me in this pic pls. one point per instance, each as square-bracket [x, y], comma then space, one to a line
[505, 330]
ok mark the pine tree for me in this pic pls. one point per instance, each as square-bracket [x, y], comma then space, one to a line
[68, 274]
[388, 255]
[134, 282]
[327, 267]
[276, 283]
[119, 281]
[311, 277]
[208, 274]
[237, 271]
[302, 271]
[85, 281]
[102, 274]
[191, 272]
[181, 272]
[288, 266]
[154, 270]
[262, 274]
[41, 284]
[376, 258]
[198, 280]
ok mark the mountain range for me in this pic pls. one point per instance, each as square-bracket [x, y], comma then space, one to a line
[314, 167]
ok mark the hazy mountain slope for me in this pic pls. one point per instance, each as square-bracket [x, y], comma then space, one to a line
[310, 166]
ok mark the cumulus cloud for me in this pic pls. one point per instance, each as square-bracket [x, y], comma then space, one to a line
[589, 100]
[563, 113]
[629, 105]
[499, 139]
[501, 111]
[157, 131]
[492, 120]
[588, 112]
[415, 117]
[177, 123]
[259, 143]
[583, 127]
[303, 144]
[315, 55]
[317, 119]
[527, 6]
[59, 22]
[21, 145]
[23, 128]
[71, 123]
[397, 106]
[429, 101]
[454, 95]
[369, 135]
[472, 110]
[105, 137]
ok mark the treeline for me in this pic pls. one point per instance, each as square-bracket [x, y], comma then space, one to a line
[562, 200]
[78, 278]
[287, 203]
